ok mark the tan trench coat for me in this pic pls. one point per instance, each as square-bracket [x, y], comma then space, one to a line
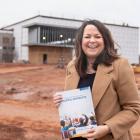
[115, 97]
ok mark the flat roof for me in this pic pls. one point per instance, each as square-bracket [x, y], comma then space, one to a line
[6, 31]
[69, 19]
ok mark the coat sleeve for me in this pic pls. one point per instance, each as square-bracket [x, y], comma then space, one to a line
[129, 101]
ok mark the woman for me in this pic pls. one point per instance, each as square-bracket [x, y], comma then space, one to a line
[111, 79]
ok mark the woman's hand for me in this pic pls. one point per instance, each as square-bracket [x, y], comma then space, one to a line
[57, 99]
[98, 132]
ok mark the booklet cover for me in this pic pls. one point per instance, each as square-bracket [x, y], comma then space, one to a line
[76, 112]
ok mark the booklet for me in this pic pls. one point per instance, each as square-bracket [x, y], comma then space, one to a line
[76, 112]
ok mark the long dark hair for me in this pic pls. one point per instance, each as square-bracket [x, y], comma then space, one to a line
[107, 56]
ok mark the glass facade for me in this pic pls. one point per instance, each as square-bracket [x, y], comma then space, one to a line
[57, 36]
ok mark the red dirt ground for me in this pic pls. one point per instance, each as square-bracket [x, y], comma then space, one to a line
[27, 111]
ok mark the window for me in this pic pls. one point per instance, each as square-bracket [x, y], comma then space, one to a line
[57, 36]
[6, 41]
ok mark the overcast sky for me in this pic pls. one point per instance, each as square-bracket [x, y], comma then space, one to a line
[109, 11]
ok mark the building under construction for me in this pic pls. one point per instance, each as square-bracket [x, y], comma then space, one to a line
[6, 46]
[50, 40]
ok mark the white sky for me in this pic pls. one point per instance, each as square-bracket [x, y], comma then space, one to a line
[109, 11]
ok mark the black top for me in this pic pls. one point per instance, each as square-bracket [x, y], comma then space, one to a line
[85, 82]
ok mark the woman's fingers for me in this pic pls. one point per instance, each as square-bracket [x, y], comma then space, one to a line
[57, 99]
[97, 132]
[90, 134]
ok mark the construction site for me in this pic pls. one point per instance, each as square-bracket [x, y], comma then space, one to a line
[33, 56]
[27, 109]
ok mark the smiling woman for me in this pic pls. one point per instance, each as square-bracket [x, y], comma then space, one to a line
[111, 79]
[92, 43]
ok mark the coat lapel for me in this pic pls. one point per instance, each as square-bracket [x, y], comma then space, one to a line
[102, 80]
[72, 79]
